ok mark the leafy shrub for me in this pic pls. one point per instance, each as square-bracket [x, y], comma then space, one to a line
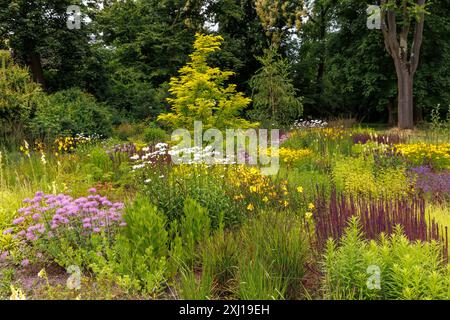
[71, 112]
[408, 270]
[274, 95]
[200, 93]
[124, 131]
[19, 96]
[194, 228]
[99, 166]
[170, 187]
[356, 176]
[154, 135]
[132, 95]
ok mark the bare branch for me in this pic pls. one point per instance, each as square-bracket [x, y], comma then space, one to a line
[389, 29]
[404, 33]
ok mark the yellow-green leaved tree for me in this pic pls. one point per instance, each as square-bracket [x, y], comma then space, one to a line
[201, 93]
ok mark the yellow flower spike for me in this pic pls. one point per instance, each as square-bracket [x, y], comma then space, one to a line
[265, 199]
[308, 215]
[311, 206]
[250, 207]
[300, 189]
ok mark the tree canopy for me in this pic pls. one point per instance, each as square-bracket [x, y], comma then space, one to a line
[126, 52]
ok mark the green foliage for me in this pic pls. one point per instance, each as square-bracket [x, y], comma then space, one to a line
[194, 228]
[257, 283]
[126, 130]
[99, 166]
[169, 190]
[132, 95]
[220, 258]
[274, 95]
[195, 285]
[244, 38]
[200, 92]
[263, 260]
[411, 271]
[19, 96]
[143, 247]
[272, 262]
[356, 176]
[71, 112]
[58, 57]
[280, 18]
[158, 40]
[326, 142]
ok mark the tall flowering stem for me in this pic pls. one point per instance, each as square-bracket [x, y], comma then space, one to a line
[377, 215]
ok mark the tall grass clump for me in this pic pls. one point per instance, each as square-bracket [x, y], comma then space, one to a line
[220, 259]
[272, 262]
[194, 284]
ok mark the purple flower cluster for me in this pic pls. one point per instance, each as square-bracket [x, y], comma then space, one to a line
[377, 215]
[436, 184]
[48, 215]
[122, 152]
[388, 138]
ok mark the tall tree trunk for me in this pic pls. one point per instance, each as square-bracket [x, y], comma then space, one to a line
[405, 100]
[322, 21]
[391, 117]
[34, 61]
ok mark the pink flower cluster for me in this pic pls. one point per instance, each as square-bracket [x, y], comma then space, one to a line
[47, 215]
